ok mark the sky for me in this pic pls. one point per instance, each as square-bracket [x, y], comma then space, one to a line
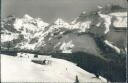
[50, 10]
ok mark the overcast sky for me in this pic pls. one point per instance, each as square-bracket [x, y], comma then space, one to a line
[49, 10]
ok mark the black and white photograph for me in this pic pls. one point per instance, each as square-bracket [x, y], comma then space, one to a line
[63, 41]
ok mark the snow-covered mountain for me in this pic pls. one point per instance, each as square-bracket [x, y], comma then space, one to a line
[34, 34]
[26, 30]
[109, 22]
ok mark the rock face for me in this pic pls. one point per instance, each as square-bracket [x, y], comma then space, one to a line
[101, 33]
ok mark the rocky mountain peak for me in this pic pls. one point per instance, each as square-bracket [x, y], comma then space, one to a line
[60, 21]
[26, 16]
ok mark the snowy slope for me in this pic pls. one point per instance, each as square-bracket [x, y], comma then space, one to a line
[120, 19]
[17, 69]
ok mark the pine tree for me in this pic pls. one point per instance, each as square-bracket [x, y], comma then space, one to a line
[8, 45]
[77, 80]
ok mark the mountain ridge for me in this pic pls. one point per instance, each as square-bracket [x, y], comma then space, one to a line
[33, 28]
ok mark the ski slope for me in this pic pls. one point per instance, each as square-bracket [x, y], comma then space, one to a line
[21, 69]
